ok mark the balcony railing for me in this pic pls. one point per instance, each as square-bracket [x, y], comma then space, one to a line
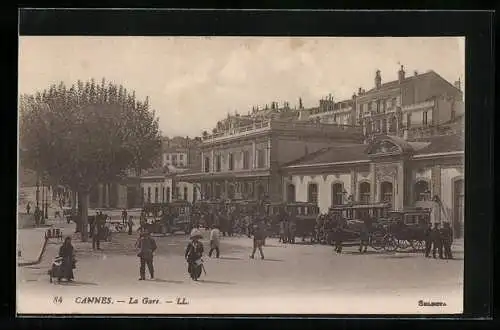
[243, 130]
[420, 105]
[280, 125]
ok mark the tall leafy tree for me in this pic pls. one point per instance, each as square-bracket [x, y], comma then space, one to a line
[86, 135]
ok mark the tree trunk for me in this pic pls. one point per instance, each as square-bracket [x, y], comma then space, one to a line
[84, 200]
[73, 202]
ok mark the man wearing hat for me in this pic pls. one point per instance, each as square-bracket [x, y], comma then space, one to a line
[147, 246]
[258, 240]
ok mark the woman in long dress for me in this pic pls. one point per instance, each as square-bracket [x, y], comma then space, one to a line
[66, 252]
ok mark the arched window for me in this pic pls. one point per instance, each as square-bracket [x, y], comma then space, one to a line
[364, 192]
[290, 193]
[386, 192]
[312, 193]
[422, 191]
[337, 194]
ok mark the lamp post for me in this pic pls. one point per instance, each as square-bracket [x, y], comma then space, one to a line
[46, 215]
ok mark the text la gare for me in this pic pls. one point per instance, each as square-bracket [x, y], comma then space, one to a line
[144, 300]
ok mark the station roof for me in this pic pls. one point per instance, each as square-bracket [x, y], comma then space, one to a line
[356, 153]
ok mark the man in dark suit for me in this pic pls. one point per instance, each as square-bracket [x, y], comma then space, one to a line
[436, 241]
[428, 240]
[447, 240]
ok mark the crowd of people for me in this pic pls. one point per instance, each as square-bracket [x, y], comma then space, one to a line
[329, 228]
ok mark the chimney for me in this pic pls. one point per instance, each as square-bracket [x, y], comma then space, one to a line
[401, 74]
[359, 91]
[458, 84]
[378, 79]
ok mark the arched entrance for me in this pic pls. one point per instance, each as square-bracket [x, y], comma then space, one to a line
[290, 193]
[422, 191]
[364, 192]
[458, 208]
[386, 192]
[337, 194]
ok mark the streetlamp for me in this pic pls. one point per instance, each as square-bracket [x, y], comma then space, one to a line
[46, 215]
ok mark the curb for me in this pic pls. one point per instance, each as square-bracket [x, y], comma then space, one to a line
[40, 256]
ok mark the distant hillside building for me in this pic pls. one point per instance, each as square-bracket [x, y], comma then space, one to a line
[180, 152]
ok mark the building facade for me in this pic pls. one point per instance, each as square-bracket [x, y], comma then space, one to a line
[160, 186]
[408, 103]
[390, 169]
[245, 162]
[180, 152]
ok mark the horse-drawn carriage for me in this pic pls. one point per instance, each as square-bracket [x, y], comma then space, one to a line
[302, 215]
[359, 220]
[407, 228]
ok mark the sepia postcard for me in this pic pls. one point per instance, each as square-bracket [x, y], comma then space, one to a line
[240, 175]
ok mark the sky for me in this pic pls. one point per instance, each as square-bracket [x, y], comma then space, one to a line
[192, 82]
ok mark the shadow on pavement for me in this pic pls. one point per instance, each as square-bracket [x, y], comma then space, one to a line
[357, 253]
[266, 259]
[167, 281]
[404, 256]
[75, 283]
[215, 282]
[230, 258]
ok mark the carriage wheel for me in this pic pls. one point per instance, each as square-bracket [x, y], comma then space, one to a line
[377, 242]
[418, 246]
[391, 244]
[403, 244]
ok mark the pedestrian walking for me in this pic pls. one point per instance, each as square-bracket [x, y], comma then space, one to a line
[67, 253]
[147, 247]
[97, 232]
[282, 231]
[130, 225]
[291, 231]
[258, 240]
[447, 240]
[339, 233]
[214, 242]
[193, 254]
[28, 208]
[364, 237]
[124, 216]
[437, 244]
[428, 240]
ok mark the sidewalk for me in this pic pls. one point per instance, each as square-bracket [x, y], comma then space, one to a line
[458, 245]
[31, 243]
